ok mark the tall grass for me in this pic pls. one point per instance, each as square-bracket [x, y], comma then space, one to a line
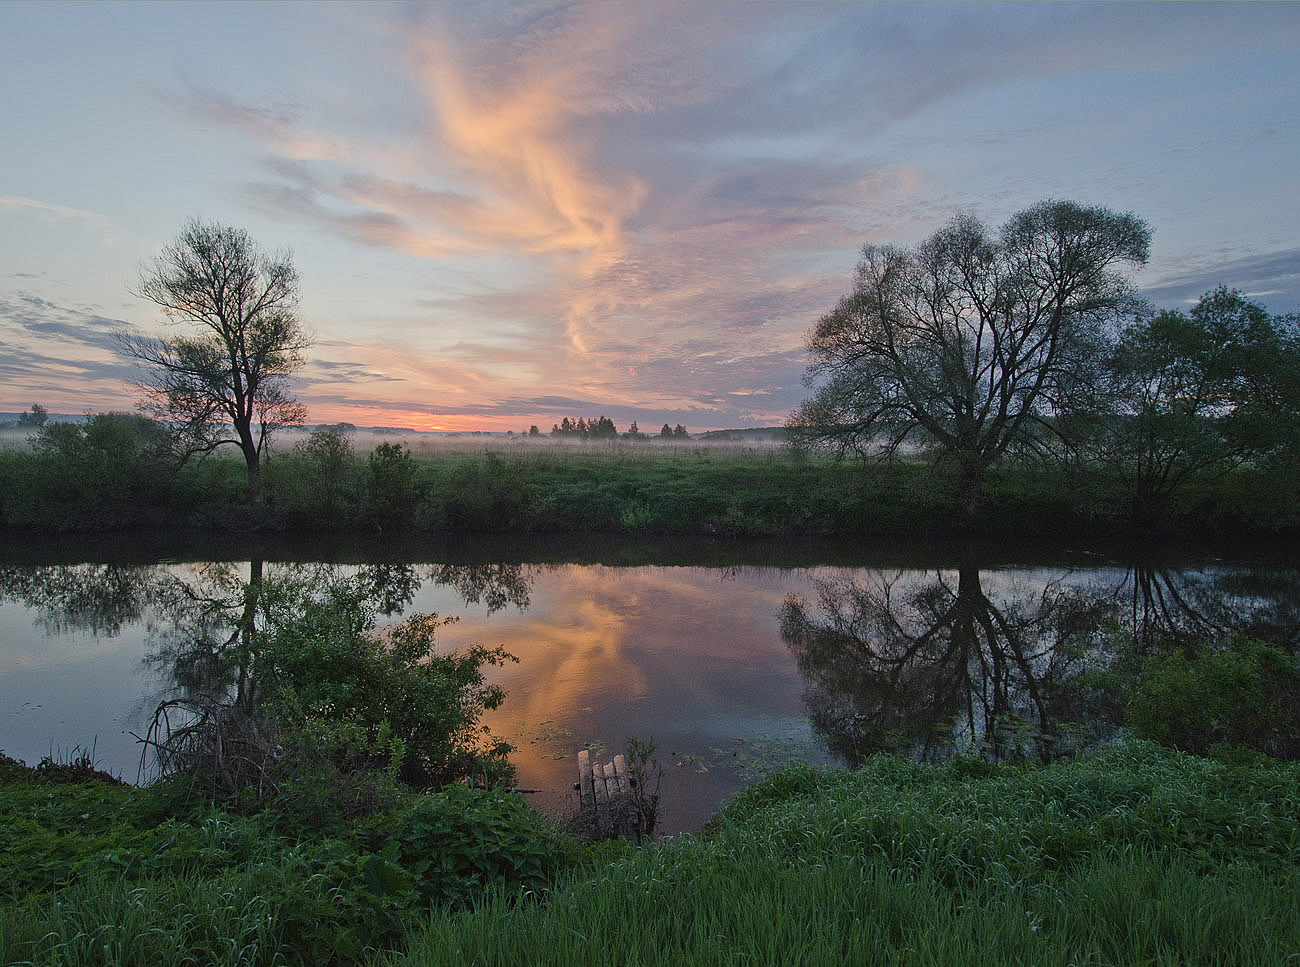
[1139, 856]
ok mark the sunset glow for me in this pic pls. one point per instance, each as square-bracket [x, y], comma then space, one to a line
[504, 214]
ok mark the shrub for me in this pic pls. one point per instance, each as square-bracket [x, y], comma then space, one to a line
[391, 486]
[462, 842]
[110, 471]
[322, 662]
[1245, 692]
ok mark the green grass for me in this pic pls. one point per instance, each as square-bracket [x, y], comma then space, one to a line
[1138, 856]
[97, 874]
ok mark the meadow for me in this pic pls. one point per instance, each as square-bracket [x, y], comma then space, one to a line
[110, 476]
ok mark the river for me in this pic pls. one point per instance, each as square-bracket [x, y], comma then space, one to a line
[731, 657]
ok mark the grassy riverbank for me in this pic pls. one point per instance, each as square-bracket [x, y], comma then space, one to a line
[1135, 855]
[640, 488]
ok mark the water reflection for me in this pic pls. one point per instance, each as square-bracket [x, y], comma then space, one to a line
[1177, 607]
[712, 662]
[197, 624]
[929, 663]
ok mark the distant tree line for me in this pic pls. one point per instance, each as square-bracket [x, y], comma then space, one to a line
[604, 428]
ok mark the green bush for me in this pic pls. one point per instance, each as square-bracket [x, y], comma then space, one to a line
[462, 842]
[95, 873]
[111, 471]
[318, 483]
[391, 488]
[322, 666]
[1243, 693]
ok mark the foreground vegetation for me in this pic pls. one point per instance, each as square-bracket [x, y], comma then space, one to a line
[1138, 854]
[112, 473]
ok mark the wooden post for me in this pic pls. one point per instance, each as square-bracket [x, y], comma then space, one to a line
[621, 774]
[586, 791]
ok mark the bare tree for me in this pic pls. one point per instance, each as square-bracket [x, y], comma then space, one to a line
[972, 342]
[226, 381]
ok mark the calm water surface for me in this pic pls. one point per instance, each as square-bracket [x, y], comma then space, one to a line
[731, 668]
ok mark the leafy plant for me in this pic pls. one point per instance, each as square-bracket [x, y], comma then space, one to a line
[1245, 692]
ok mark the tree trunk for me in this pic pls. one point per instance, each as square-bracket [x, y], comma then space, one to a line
[970, 489]
[245, 693]
[253, 462]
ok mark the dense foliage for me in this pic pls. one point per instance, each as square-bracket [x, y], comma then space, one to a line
[979, 347]
[291, 698]
[1240, 693]
[974, 342]
[98, 874]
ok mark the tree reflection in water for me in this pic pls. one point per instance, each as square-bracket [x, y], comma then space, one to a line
[896, 662]
[925, 667]
[1168, 608]
[202, 620]
[94, 598]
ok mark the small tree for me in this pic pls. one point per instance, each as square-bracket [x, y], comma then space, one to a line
[227, 381]
[331, 477]
[972, 342]
[392, 489]
[34, 418]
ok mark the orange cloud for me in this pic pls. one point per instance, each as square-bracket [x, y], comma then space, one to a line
[514, 140]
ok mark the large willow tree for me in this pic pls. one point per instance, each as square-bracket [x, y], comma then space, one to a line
[974, 341]
[225, 380]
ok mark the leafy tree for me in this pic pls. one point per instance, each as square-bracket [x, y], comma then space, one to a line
[330, 480]
[634, 432]
[35, 417]
[679, 432]
[666, 432]
[392, 489]
[973, 341]
[226, 381]
[533, 431]
[1196, 394]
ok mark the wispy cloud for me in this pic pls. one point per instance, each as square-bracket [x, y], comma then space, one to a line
[12, 202]
[1271, 278]
[60, 356]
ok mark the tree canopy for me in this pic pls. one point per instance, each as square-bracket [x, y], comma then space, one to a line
[973, 341]
[1195, 394]
[225, 380]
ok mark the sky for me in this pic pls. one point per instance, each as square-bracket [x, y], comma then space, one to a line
[503, 214]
